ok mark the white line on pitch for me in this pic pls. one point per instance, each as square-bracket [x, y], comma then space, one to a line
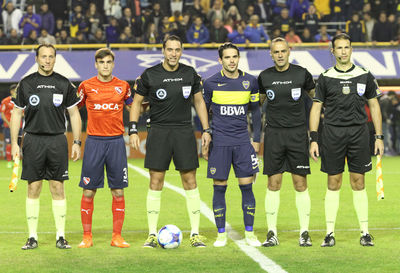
[265, 263]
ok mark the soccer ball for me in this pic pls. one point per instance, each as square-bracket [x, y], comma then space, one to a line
[169, 236]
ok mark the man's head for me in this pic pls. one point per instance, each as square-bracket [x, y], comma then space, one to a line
[44, 7]
[13, 89]
[382, 17]
[10, 7]
[217, 23]
[172, 50]
[127, 12]
[104, 62]
[355, 17]
[254, 19]
[45, 58]
[285, 13]
[229, 57]
[341, 48]
[280, 53]
[29, 9]
[43, 32]
[198, 21]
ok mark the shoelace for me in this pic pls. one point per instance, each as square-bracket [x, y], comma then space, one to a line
[328, 237]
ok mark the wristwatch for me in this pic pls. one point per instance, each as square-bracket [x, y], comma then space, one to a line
[78, 142]
[379, 137]
[208, 130]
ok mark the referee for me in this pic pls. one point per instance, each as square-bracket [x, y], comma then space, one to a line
[286, 87]
[43, 97]
[343, 90]
[170, 87]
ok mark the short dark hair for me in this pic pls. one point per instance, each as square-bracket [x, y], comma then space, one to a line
[103, 52]
[340, 36]
[224, 46]
[45, 45]
[171, 38]
[13, 86]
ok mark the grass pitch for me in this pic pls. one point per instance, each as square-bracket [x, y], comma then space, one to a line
[346, 256]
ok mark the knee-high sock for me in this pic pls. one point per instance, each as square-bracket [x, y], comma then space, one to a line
[118, 210]
[248, 205]
[193, 206]
[303, 204]
[360, 201]
[60, 214]
[272, 201]
[331, 208]
[153, 210]
[86, 214]
[32, 216]
[219, 207]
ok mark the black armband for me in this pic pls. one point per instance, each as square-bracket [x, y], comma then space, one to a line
[78, 142]
[379, 137]
[132, 128]
[313, 136]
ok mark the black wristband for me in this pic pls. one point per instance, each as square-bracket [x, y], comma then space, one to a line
[208, 130]
[78, 142]
[313, 136]
[379, 137]
[132, 128]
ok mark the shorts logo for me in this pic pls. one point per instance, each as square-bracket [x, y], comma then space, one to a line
[346, 90]
[161, 94]
[57, 99]
[246, 84]
[86, 180]
[118, 90]
[361, 88]
[296, 93]
[270, 94]
[213, 170]
[186, 91]
[34, 100]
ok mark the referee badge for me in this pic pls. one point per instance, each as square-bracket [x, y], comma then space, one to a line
[34, 100]
[246, 84]
[57, 99]
[361, 88]
[161, 94]
[296, 93]
[213, 170]
[346, 90]
[186, 91]
[270, 94]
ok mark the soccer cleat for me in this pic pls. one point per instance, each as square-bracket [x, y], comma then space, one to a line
[118, 241]
[221, 240]
[305, 239]
[151, 241]
[62, 243]
[329, 240]
[196, 240]
[272, 239]
[366, 240]
[86, 242]
[251, 239]
[31, 243]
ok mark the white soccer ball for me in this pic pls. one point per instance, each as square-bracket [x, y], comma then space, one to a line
[169, 236]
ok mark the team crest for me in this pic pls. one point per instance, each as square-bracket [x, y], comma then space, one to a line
[34, 100]
[161, 94]
[213, 170]
[270, 94]
[57, 99]
[378, 90]
[118, 90]
[86, 180]
[361, 88]
[296, 93]
[246, 84]
[346, 90]
[186, 91]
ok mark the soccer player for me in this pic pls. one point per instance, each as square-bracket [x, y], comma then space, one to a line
[170, 88]
[286, 87]
[343, 90]
[229, 93]
[104, 96]
[44, 96]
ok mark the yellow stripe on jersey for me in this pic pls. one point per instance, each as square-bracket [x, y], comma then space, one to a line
[255, 97]
[231, 97]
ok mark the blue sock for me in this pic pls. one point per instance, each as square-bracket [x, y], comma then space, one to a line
[248, 205]
[219, 207]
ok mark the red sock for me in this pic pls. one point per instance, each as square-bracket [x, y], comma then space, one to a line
[8, 152]
[118, 209]
[86, 214]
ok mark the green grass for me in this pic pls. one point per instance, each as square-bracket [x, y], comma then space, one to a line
[346, 256]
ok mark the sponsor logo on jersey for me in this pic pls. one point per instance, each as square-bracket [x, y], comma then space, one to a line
[173, 80]
[246, 84]
[106, 106]
[361, 88]
[346, 90]
[378, 91]
[344, 82]
[221, 84]
[280, 82]
[46, 86]
[86, 180]
[186, 91]
[161, 94]
[118, 90]
[270, 94]
[296, 93]
[302, 167]
[57, 99]
[213, 170]
[34, 100]
[232, 110]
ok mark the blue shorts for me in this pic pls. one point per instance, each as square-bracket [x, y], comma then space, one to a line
[242, 157]
[104, 151]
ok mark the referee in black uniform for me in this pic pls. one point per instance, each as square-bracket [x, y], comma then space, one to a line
[170, 88]
[43, 97]
[343, 90]
[286, 87]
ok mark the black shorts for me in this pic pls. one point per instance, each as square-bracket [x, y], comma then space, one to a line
[164, 143]
[286, 150]
[45, 157]
[351, 142]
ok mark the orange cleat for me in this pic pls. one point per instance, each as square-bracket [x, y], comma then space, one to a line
[86, 242]
[118, 241]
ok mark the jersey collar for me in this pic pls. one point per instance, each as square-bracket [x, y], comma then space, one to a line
[341, 71]
[241, 73]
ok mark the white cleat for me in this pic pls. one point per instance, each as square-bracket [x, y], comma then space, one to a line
[221, 240]
[251, 239]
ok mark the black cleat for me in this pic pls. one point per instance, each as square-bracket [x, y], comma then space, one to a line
[62, 243]
[151, 241]
[272, 239]
[196, 240]
[366, 240]
[31, 243]
[329, 240]
[305, 239]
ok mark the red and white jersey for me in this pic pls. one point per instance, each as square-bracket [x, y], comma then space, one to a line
[105, 104]
[6, 107]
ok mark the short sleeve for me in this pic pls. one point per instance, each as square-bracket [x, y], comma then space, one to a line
[320, 89]
[128, 94]
[255, 94]
[260, 86]
[142, 86]
[72, 95]
[82, 94]
[372, 88]
[197, 83]
[19, 100]
[309, 81]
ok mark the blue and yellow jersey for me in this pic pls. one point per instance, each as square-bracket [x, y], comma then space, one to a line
[229, 100]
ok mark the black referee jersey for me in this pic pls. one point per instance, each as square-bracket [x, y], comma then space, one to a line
[169, 93]
[44, 100]
[285, 95]
[344, 95]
